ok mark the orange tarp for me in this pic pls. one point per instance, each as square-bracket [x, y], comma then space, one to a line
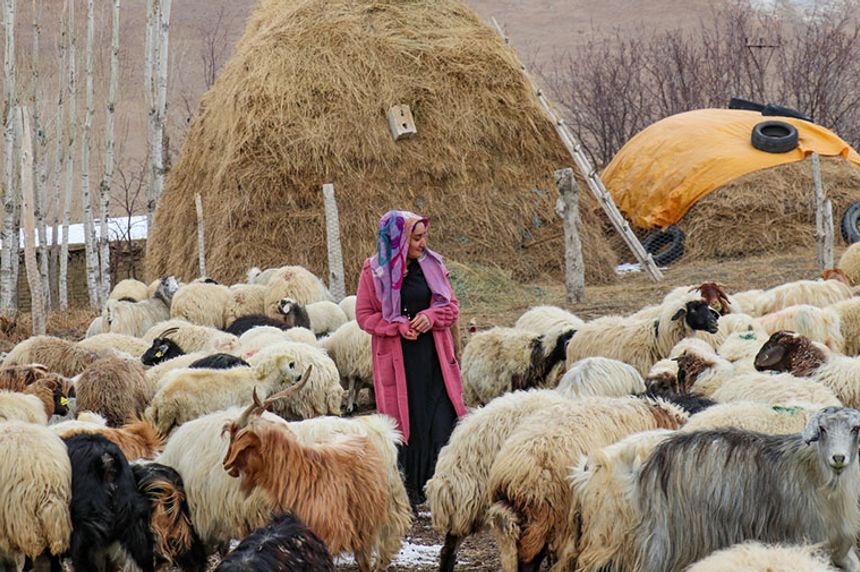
[662, 171]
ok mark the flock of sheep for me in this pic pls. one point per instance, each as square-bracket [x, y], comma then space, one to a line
[709, 431]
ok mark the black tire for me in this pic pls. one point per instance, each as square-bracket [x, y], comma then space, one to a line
[738, 103]
[665, 247]
[771, 109]
[774, 137]
[848, 225]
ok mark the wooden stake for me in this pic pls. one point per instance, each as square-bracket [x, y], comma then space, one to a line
[592, 178]
[201, 246]
[567, 208]
[34, 279]
[335, 256]
[823, 219]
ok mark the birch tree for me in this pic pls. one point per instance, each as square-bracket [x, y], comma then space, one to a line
[107, 179]
[37, 302]
[70, 158]
[59, 140]
[92, 264]
[10, 241]
[159, 118]
[40, 172]
[151, 59]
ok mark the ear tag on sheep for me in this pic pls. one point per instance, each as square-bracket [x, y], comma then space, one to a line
[749, 336]
[64, 401]
[787, 410]
[158, 354]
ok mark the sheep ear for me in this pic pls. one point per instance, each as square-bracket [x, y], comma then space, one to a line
[679, 314]
[811, 432]
[769, 357]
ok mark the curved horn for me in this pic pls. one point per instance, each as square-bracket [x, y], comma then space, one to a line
[255, 406]
[291, 390]
[168, 332]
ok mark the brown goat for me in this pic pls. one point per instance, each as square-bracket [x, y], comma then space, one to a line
[17, 377]
[835, 274]
[715, 296]
[53, 389]
[137, 440]
[338, 488]
[115, 389]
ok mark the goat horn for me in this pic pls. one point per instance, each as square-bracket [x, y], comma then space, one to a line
[291, 390]
[167, 332]
[255, 405]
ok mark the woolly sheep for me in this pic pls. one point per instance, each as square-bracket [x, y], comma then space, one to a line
[818, 324]
[848, 312]
[294, 282]
[746, 301]
[753, 416]
[603, 482]
[129, 289]
[192, 337]
[348, 306]
[55, 354]
[241, 325]
[322, 395]
[94, 328]
[813, 292]
[642, 342]
[201, 303]
[457, 491]
[545, 319]
[244, 299]
[16, 406]
[350, 348]
[259, 337]
[155, 374]
[809, 493]
[849, 263]
[325, 317]
[501, 360]
[36, 488]
[120, 342]
[742, 346]
[257, 276]
[529, 515]
[185, 394]
[221, 511]
[596, 376]
[802, 358]
[757, 557]
[728, 325]
[53, 390]
[115, 389]
[135, 318]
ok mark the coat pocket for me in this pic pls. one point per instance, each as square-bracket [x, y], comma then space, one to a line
[385, 384]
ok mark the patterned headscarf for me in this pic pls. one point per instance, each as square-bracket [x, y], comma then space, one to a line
[389, 264]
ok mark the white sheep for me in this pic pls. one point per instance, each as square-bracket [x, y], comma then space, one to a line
[819, 293]
[596, 376]
[120, 342]
[185, 394]
[743, 346]
[348, 306]
[257, 276]
[746, 301]
[135, 318]
[56, 354]
[754, 416]
[818, 324]
[350, 348]
[95, 327]
[193, 337]
[130, 290]
[201, 303]
[728, 325]
[294, 282]
[36, 488]
[545, 319]
[757, 557]
[457, 492]
[325, 317]
[259, 337]
[155, 375]
[244, 299]
[849, 263]
[322, 395]
[500, 360]
[848, 312]
[16, 406]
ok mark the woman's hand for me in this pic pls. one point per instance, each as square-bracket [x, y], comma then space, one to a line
[408, 332]
[420, 323]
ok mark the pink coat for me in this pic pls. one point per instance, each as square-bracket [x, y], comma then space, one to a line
[389, 374]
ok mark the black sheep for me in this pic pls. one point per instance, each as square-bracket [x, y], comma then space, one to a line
[284, 545]
[162, 349]
[106, 506]
[244, 323]
[219, 361]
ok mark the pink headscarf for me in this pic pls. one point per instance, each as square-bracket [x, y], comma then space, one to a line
[389, 264]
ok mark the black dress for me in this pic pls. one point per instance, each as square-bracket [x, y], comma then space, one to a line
[431, 414]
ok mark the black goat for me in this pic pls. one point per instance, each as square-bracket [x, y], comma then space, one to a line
[294, 313]
[219, 361]
[244, 323]
[162, 349]
[106, 506]
[176, 541]
[284, 545]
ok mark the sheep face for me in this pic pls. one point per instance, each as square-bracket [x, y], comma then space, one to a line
[699, 316]
[663, 383]
[836, 429]
[167, 287]
[162, 349]
[789, 352]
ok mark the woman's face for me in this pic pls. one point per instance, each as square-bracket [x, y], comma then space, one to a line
[417, 241]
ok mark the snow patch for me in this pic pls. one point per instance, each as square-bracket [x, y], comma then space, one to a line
[409, 555]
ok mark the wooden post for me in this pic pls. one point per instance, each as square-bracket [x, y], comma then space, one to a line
[34, 279]
[567, 208]
[201, 246]
[592, 178]
[335, 256]
[823, 219]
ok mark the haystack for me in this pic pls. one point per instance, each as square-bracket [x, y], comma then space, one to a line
[302, 102]
[768, 212]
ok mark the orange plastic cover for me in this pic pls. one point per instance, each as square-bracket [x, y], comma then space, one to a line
[662, 171]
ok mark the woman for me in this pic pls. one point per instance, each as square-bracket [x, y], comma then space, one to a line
[407, 304]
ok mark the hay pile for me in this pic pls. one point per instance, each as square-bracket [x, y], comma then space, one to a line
[302, 102]
[768, 212]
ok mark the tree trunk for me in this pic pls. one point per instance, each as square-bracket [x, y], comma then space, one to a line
[70, 159]
[37, 302]
[151, 56]
[40, 170]
[86, 146]
[201, 244]
[107, 179]
[10, 241]
[336, 284]
[59, 140]
[158, 149]
[567, 208]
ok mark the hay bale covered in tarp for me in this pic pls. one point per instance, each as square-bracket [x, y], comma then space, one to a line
[768, 212]
[302, 102]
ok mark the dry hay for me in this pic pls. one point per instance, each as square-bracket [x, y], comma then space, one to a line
[302, 102]
[768, 212]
